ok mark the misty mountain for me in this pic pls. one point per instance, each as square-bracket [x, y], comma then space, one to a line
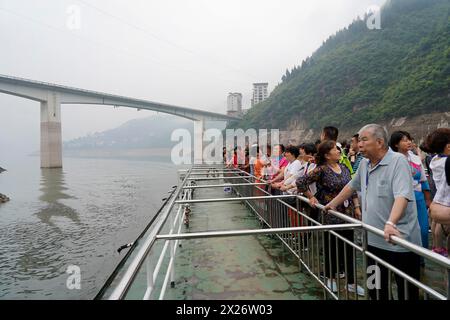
[146, 133]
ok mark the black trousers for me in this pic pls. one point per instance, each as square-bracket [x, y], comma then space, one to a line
[330, 249]
[408, 262]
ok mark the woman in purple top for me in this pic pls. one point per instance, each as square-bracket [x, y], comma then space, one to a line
[331, 177]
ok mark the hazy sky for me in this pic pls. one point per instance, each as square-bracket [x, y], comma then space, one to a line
[183, 52]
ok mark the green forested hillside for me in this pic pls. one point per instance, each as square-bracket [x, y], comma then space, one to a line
[360, 75]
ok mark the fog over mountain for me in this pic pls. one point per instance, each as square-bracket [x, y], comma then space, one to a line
[150, 132]
[139, 138]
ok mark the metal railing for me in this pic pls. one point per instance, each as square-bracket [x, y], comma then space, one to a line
[279, 213]
[325, 252]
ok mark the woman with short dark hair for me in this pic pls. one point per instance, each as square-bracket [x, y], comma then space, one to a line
[291, 171]
[401, 141]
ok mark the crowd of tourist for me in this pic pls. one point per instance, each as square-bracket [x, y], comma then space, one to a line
[388, 182]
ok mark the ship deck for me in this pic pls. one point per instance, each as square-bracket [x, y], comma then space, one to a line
[246, 248]
[247, 267]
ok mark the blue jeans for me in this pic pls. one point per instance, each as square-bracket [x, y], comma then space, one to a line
[422, 215]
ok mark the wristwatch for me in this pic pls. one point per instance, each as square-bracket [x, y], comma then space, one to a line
[391, 224]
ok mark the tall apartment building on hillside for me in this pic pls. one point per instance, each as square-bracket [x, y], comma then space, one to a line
[234, 104]
[260, 92]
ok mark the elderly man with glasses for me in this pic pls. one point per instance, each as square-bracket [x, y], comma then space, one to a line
[388, 203]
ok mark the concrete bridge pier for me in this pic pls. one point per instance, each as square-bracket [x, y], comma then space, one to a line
[51, 140]
[199, 128]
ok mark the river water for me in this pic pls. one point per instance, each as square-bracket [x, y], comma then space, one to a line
[78, 215]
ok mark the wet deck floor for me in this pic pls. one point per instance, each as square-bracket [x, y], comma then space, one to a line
[250, 267]
[246, 267]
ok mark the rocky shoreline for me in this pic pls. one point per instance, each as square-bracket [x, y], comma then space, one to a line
[3, 198]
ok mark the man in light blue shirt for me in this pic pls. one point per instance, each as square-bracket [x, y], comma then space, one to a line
[388, 203]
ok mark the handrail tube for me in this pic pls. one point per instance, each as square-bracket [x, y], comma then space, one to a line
[233, 199]
[124, 284]
[163, 252]
[251, 232]
[122, 288]
[202, 173]
[216, 178]
[203, 169]
[171, 263]
[223, 185]
[437, 258]
[166, 244]
[131, 249]
[442, 261]
[340, 215]
[406, 276]
[150, 281]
